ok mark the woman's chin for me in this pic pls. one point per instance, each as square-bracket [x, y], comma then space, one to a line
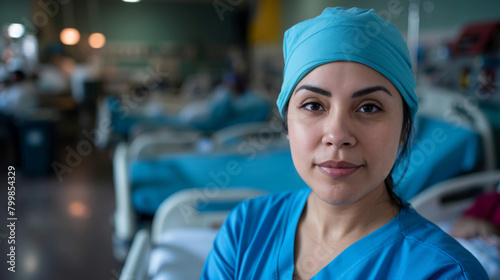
[335, 195]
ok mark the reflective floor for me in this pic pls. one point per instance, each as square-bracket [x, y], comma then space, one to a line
[63, 228]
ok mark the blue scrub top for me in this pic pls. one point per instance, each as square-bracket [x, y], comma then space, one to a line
[257, 242]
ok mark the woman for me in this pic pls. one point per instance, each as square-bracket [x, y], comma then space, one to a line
[348, 102]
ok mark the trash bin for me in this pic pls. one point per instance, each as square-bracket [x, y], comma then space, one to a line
[37, 136]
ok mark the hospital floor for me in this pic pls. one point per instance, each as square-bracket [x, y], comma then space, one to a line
[63, 228]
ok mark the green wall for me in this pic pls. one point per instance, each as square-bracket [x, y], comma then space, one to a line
[147, 21]
[446, 14]
[156, 21]
[12, 11]
[456, 13]
[150, 22]
[298, 10]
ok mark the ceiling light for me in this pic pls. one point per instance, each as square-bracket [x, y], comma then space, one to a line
[97, 40]
[70, 36]
[15, 30]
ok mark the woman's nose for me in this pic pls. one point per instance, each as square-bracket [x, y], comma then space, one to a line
[337, 132]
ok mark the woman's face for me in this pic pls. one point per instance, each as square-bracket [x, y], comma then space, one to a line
[344, 122]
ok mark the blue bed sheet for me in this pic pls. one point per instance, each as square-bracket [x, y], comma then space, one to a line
[249, 107]
[154, 180]
[440, 151]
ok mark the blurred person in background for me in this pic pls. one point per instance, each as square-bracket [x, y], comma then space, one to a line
[18, 97]
[17, 100]
[229, 103]
[478, 230]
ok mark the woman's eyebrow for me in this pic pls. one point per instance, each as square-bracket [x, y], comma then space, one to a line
[314, 89]
[369, 90]
[356, 94]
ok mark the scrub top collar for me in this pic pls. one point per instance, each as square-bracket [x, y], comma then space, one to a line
[349, 258]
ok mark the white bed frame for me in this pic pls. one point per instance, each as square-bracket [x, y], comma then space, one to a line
[152, 144]
[144, 146]
[172, 215]
[447, 200]
[264, 132]
[435, 102]
[454, 108]
[432, 204]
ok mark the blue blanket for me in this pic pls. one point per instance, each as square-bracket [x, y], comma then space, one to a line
[249, 107]
[440, 151]
[154, 180]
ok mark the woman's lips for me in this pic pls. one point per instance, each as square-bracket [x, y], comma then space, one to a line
[338, 169]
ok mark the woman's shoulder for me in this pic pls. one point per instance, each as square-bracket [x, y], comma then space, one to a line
[426, 240]
[417, 228]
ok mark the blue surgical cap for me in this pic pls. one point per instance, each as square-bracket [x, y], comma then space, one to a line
[341, 34]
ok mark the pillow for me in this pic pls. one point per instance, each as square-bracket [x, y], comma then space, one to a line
[181, 253]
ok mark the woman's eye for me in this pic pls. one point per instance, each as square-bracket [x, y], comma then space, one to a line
[369, 108]
[312, 106]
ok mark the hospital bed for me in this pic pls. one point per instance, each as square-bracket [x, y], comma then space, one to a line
[461, 112]
[119, 117]
[182, 233]
[445, 202]
[186, 223]
[145, 147]
[156, 165]
[142, 183]
[452, 138]
[263, 135]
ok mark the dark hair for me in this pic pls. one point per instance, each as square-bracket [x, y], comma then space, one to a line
[406, 133]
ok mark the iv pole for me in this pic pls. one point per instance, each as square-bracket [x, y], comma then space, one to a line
[413, 33]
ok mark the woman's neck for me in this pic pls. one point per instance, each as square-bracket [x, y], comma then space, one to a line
[355, 220]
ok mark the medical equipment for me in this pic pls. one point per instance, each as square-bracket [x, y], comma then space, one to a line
[182, 234]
